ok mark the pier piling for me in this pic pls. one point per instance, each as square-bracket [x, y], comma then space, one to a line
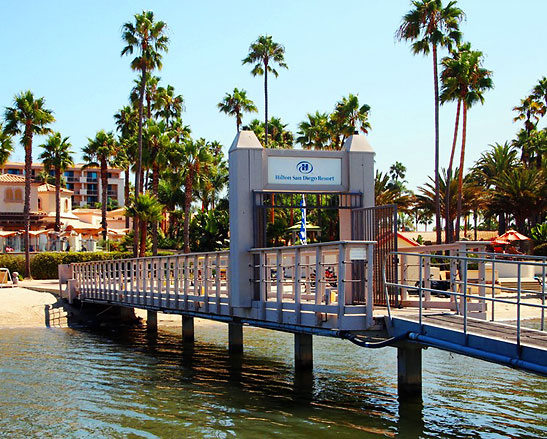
[187, 329]
[235, 338]
[303, 351]
[409, 370]
[151, 320]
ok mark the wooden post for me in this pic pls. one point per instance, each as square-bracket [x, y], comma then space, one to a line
[187, 329]
[409, 370]
[303, 351]
[235, 338]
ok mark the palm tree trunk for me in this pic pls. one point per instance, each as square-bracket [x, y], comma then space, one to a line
[187, 204]
[155, 184]
[449, 235]
[26, 211]
[475, 220]
[104, 182]
[57, 199]
[266, 104]
[437, 185]
[138, 174]
[142, 247]
[126, 194]
[460, 174]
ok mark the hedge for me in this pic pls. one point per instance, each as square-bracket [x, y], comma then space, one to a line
[13, 263]
[44, 265]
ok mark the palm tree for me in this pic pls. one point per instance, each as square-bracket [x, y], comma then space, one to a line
[168, 105]
[431, 25]
[6, 145]
[501, 158]
[469, 80]
[529, 111]
[145, 208]
[194, 160]
[349, 116]
[57, 156]
[316, 132]
[147, 37]
[28, 117]
[235, 104]
[263, 53]
[98, 153]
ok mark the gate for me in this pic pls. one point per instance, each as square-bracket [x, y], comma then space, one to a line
[379, 224]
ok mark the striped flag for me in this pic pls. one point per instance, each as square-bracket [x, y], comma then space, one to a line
[302, 232]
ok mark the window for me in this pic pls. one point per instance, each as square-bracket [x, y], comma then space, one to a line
[39, 204]
[66, 206]
[18, 195]
[15, 171]
[9, 194]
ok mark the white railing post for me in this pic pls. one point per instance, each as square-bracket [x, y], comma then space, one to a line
[279, 285]
[369, 316]
[206, 280]
[341, 283]
[296, 287]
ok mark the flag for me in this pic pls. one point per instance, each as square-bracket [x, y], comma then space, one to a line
[302, 232]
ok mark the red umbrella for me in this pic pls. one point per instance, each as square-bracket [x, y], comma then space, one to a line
[500, 241]
[513, 235]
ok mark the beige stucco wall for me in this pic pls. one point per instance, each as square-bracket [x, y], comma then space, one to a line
[48, 202]
[17, 205]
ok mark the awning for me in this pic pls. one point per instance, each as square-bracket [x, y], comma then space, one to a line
[7, 233]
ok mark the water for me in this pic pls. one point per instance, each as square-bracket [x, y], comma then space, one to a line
[61, 383]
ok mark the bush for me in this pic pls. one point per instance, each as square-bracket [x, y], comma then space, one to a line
[13, 263]
[44, 265]
[540, 250]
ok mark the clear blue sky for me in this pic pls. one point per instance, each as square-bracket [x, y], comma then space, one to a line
[69, 52]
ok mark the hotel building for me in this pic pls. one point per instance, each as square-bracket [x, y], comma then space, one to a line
[84, 183]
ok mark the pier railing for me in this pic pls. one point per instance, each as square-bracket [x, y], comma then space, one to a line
[327, 285]
[473, 289]
[331, 280]
[193, 281]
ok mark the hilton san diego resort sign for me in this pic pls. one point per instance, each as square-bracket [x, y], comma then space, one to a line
[307, 171]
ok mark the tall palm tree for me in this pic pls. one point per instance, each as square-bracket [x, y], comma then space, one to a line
[99, 153]
[529, 111]
[235, 104]
[431, 25]
[147, 37]
[145, 208]
[263, 53]
[6, 145]
[194, 159]
[28, 116]
[57, 156]
[469, 80]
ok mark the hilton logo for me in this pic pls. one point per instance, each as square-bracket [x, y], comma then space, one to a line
[304, 167]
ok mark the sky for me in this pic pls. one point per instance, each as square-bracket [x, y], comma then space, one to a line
[69, 53]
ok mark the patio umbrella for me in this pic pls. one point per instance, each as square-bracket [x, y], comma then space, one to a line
[500, 241]
[513, 235]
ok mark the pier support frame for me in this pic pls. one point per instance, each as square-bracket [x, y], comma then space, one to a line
[187, 329]
[303, 351]
[151, 320]
[235, 338]
[409, 370]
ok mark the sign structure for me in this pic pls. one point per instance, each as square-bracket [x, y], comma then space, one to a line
[305, 171]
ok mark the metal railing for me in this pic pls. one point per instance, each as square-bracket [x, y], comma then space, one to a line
[333, 279]
[464, 289]
[191, 281]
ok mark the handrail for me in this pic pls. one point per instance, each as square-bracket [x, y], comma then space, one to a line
[464, 284]
[316, 244]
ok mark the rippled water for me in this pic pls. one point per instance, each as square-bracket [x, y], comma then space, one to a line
[64, 383]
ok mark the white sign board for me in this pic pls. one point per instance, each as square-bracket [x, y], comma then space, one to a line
[305, 171]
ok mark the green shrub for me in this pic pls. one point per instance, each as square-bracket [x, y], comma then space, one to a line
[13, 263]
[540, 250]
[45, 265]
